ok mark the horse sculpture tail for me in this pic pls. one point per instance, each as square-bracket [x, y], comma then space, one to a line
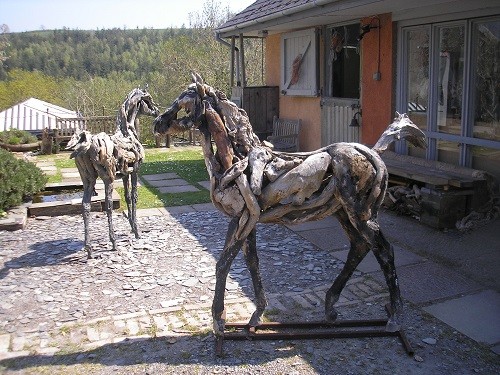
[401, 128]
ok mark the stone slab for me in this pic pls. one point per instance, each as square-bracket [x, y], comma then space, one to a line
[70, 174]
[168, 183]
[146, 212]
[179, 209]
[329, 239]
[41, 164]
[369, 264]
[160, 176]
[48, 168]
[328, 222]
[71, 207]
[205, 184]
[15, 219]
[204, 207]
[177, 189]
[496, 349]
[428, 282]
[70, 170]
[476, 316]
[49, 172]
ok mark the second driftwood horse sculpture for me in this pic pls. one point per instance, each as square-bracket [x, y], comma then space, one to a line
[251, 183]
[104, 156]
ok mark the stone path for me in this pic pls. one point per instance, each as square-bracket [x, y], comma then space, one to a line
[151, 286]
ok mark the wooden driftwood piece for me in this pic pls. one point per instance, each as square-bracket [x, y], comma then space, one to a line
[298, 183]
[347, 180]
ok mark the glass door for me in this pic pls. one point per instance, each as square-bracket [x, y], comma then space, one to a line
[486, 115]
[417, 91]
[449, 89]
[449, 85]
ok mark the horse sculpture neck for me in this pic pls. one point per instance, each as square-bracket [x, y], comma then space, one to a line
[127, 113]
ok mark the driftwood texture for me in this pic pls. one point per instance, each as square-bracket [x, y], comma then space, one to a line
[251, 183]
[105, 156]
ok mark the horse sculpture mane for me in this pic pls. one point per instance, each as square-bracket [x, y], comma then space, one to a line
[251, 183]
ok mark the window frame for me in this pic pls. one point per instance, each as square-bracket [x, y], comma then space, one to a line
[465, 139]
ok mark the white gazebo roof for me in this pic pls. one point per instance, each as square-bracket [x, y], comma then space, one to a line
[34, 115]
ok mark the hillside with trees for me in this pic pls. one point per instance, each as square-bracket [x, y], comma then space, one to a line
[92, 71]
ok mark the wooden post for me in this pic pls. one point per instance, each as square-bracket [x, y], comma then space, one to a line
[242, 62]
[233, 46]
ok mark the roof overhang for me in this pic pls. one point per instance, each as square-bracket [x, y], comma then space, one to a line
[331, 12]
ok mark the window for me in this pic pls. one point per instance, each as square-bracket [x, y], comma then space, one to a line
[299, 63]
[342, 62]
[450, 88]
[486, 125]
[418, 79]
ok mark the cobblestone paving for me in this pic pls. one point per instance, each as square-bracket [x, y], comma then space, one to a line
[47, 284]
[146, 307]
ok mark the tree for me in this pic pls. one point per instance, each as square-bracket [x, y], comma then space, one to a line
[21, 85]
[4, 43]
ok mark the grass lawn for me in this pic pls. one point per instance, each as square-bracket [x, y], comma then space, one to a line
[186, 161]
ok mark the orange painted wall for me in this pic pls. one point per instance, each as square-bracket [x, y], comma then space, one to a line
[377, 97]
[305, 108]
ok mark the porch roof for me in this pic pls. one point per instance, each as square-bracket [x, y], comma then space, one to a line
[285, 15]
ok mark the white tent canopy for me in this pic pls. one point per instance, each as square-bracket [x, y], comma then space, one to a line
[34, 115]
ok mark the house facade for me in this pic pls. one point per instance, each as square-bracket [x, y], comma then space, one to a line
[344, 67]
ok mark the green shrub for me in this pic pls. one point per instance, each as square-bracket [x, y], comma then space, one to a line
[17, 137]
[18, 180]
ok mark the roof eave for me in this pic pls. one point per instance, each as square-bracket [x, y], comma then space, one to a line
[275, 19]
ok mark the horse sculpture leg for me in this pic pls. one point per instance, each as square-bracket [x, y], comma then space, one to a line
[252, 261]
[231, 248]
[364, 236]
[135, 196]
[108, 203]
[384, 253]
[359, 249]
[88, 190]
[128, 198]
[131, 197]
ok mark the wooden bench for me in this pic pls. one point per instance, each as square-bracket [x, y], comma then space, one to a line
[449, 192]
[285, 135]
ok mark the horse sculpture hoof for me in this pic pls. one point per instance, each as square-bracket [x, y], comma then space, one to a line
[392, 325]
[255, 320]
[218, 327]
[88, 249]
[331, 315]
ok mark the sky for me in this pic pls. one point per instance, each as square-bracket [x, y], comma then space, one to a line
[29, 15]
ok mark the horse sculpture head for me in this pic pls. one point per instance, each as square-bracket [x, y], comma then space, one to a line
[79, 142]
[139, 102]
[190, 101]
[204, 105]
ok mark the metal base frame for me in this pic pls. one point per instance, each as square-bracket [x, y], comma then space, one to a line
[310, 330]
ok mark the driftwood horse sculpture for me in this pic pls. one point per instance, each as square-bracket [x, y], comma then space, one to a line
[251, 183]
[105, 156]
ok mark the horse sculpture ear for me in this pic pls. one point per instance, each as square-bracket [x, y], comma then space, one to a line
[200, 87]
[83, 137]
[196, 78]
